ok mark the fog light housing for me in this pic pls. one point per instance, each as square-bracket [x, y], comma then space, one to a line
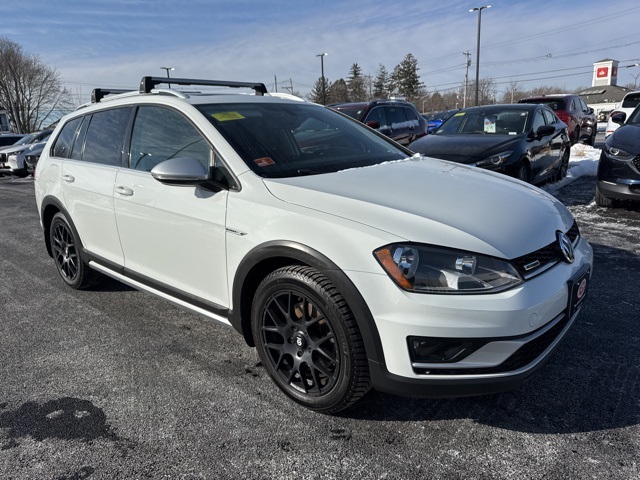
[441, 350]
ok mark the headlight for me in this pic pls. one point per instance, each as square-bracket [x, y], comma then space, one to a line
[427, 269]
[495, 160]
[616, 153]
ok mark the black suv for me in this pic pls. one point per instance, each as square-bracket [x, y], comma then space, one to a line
[398, 120]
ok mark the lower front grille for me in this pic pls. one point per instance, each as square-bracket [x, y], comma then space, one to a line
[522, 357]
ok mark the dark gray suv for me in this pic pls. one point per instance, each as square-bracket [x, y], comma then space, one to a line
[397, 119]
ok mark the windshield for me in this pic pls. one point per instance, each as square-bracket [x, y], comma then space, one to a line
[634, 118]
[287, 140]
[485, 121]
[631, 100]
[27, 139]
[553, 103]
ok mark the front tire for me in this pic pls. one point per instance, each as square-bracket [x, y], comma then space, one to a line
[523, 173]
[67, 255]
[308, 340]
[564, 166]
[604, 201]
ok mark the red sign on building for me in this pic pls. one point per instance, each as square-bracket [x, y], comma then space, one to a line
[603, 72]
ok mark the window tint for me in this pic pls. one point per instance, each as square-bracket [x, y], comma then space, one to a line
[549, 117]
[294, 139]
[631, 100]
[377, 115]
[76, 153]
[105, 136]
[64, 142]
[411, 115]
[160, 134]
[538, 120]
[397, 117]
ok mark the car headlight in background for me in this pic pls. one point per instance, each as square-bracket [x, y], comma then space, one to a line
[495, 160]
[429, 269]
[616, 153]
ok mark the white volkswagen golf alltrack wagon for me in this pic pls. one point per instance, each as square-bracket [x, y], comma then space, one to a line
[345, 259]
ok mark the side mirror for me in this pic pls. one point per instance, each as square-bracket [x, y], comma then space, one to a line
[372, 124]
[589, 110]
[545, 130]
[619, 118]
[180, 171]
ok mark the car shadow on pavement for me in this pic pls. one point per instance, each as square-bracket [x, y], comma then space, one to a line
[590, 383]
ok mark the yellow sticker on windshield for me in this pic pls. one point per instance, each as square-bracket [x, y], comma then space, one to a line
[458, 114]
[226, 116]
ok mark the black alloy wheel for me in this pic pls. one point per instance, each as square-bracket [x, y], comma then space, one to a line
[308, 339]
[67, 255]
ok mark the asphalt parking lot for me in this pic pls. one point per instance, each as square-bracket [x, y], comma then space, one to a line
[113, 383]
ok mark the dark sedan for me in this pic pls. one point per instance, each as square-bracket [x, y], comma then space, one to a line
[619, 166]
[526, 141]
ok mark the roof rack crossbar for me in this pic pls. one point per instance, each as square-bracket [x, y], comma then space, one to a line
[99, 93]
[149, 83]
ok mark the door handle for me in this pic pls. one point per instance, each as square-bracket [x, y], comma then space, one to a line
[124, 190]
[69, 178]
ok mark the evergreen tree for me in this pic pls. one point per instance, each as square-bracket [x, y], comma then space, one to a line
[405, 79]
[356, 84]
[381, 83]
[316, 94]
[339, 92]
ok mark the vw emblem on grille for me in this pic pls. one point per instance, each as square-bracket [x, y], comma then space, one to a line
[566, 247]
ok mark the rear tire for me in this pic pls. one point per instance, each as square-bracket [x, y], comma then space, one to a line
[67, 255]
[308, 340]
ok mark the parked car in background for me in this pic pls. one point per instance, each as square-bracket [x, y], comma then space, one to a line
[19, 146]
[7, 139]
[17, 160]
[618, 176]
[437, 118]
[581, 121]
[397, 119]
[526, 141]
[31, 161]
[630, 101]
[347, 261]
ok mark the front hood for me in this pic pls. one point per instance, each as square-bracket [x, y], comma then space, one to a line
[463, 148]
[626, 138]
[436, 202]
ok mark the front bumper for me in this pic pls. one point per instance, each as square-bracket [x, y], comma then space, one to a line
[518, 330]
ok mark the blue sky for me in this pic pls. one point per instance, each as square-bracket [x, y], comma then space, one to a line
[113, 43]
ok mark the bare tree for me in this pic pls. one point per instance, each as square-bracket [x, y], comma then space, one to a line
[30, 91]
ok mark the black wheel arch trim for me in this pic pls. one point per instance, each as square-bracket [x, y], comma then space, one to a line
[46, 216]
[267, 257]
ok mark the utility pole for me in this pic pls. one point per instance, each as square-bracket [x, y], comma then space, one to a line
[275, 83]
[466, 78]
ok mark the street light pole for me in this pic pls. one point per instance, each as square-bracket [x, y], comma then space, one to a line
[324, 93]
[167, 69]
[479, 10]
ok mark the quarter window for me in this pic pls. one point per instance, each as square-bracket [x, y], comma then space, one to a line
[64, 142]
